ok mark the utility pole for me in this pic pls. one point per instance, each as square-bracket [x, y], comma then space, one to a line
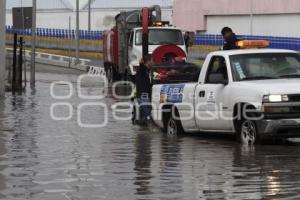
[2, 47]
[77, 32]
[69, 41]
[89, 20]
[33, 41]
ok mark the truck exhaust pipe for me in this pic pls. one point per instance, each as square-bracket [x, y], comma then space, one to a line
[157, 10]
[147, 15]
[145, 25]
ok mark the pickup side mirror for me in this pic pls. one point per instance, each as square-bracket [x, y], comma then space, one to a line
[217, 78]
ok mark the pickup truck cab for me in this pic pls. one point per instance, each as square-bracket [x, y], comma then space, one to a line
[253, 93]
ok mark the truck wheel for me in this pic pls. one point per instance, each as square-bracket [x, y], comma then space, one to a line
[247, 132]
[174, 127]
[134, 116]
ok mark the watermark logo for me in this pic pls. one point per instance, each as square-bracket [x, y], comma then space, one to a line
[122, 110]
[64, 103]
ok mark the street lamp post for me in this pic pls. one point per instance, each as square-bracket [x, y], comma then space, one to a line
[89, 20]
[251, 16]
[77, 32]
[2, 47]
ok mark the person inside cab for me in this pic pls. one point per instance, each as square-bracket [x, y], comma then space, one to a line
[230, 39]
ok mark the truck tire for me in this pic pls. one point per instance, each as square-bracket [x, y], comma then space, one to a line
[247, 132]
[174, 127]
[134, 116]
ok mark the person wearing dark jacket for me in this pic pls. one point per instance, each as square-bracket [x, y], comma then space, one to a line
[143, 88]
[187, 41]
[142, 78]
[230, 39]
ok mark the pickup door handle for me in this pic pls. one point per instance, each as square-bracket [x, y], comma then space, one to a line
[202, 94]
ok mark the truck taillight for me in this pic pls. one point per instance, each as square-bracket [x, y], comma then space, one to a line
[160, 74]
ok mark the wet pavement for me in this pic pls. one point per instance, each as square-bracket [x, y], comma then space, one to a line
[45, 159]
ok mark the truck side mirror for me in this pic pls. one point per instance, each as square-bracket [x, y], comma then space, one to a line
[217, 78]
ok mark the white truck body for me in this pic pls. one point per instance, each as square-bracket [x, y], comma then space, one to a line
[135, 50]
[209, 107]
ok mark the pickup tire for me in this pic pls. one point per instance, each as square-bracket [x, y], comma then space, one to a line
[245, 124]
[247, 132]
[174, 127]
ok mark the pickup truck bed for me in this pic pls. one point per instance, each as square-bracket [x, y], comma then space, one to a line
[175, 73]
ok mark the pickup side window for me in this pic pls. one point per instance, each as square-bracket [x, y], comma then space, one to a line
[217, 66]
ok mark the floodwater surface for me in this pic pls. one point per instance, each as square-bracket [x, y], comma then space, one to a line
[46, 159]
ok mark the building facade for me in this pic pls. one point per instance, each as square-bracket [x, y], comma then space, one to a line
[270, 17]
[61, 13]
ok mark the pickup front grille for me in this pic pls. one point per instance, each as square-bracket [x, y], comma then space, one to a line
[294, 98]
[296, 109]
[289, 131]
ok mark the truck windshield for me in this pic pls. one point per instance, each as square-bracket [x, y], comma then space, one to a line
[161, 36]
[265, 66]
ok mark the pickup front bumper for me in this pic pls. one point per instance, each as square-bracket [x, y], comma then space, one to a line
[285, 128]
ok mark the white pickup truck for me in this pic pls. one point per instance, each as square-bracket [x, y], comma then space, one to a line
[253, 93]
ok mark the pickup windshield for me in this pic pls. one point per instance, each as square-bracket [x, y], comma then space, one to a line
[265, 66]
[161, 36]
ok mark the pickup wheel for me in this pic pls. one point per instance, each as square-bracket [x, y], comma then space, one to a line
[247, 132]
[174, 127]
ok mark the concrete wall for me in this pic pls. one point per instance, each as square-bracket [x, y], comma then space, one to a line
[60, 19]
[2, 47]
[194, 14]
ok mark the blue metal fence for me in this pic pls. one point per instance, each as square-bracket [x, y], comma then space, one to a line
[58, 33]
[292, 43]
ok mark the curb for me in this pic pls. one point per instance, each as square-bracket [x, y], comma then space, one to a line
[57, 60]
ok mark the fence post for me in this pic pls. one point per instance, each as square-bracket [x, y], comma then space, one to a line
[14, 65]
[20, 64]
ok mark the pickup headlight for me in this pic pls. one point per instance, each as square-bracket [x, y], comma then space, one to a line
[275, 98]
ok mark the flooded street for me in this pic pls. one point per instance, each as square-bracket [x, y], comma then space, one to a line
[44, 159]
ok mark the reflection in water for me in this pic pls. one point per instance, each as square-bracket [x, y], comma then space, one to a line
[273, 185]
[20, 115]
[170, 169]
[45, 159]
[143, 164]
[3, 150]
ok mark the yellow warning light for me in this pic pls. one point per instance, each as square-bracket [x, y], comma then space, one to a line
[252, 44]
[157, 24]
